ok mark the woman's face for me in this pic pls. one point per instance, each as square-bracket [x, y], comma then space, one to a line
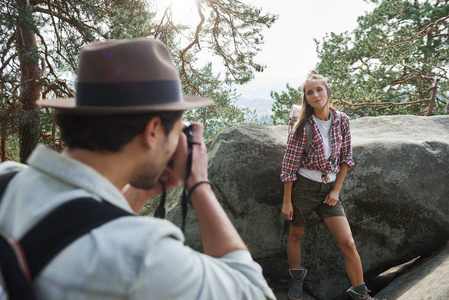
[316, 94]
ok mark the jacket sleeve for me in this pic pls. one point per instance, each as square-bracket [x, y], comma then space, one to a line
[346, 147]
[172, 270]
[292, 156]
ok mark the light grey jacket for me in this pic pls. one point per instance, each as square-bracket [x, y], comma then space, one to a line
[128, 258]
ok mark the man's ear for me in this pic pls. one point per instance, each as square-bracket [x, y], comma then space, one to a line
[152, 130]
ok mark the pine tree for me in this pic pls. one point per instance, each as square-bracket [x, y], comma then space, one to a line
[395, 62]
[41, 41]
[284, 101]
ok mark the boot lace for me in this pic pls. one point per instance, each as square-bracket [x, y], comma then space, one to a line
[366, 296]
[298, 283]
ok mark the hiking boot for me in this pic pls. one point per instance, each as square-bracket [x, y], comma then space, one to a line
[360, 292]
[295, 290]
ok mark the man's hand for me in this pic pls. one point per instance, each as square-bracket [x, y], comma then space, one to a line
[199, 157]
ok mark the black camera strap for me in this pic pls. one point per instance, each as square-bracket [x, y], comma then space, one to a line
[160, 211]
[185, 198]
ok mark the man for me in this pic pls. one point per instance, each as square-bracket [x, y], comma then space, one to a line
[125, 127]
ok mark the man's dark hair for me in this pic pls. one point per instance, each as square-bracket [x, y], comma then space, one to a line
[108, 133]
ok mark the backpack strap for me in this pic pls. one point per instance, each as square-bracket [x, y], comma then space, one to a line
[309, 128]
[16, 284]
[339, 118]
[4, 180]
[11, 269]
[47, 238]
[62, 226]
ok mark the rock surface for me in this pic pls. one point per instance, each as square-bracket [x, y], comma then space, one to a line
[282, 295]
[427, 281]
[395, 198]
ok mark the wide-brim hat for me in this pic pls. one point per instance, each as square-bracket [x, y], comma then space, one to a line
[126, 76]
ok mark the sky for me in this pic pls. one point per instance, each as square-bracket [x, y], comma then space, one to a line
[289, 51]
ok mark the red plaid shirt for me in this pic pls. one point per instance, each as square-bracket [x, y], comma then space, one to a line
[315, 159]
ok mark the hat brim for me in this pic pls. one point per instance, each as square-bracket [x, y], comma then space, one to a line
[69, 105]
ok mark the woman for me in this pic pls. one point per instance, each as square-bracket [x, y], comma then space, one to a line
[318, 174]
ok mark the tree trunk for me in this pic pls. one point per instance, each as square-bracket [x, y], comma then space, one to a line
[446, 112]
[3, 126]
[29, 125]
[432, 98]
[3, 142]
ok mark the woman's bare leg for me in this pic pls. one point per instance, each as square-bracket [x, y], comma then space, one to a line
[339, 227]
[293, 247]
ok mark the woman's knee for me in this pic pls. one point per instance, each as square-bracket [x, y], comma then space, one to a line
[348, 246]
[296, 234]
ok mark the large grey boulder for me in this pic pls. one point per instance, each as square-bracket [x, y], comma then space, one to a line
[395, 197]
[244, 166]
[427, 281]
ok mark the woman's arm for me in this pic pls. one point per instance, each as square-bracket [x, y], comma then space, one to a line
[287, 208]
[290, 165]
[346, 147]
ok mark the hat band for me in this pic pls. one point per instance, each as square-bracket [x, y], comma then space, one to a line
[144, 93]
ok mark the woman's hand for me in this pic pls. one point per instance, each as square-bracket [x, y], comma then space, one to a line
[287, 210]
[332, 198]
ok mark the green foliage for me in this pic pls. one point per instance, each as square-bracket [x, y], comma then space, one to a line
[128, 19]
[9, 116]
[395, 62]
[224, 112]
[13, 148]
[232, 31]
[284, 101]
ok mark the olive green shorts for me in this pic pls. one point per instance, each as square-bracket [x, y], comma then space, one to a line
[308, 196]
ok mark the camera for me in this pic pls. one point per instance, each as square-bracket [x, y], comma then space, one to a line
[188, 131]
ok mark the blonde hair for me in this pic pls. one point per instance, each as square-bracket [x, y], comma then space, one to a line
[307, 110]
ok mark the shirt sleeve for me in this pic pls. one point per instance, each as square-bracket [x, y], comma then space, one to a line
[171, 270]
[292, 157]
[346, 147]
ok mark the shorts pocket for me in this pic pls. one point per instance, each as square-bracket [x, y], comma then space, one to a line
[304, 190]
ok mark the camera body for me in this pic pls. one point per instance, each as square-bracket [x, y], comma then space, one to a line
[188, 131]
